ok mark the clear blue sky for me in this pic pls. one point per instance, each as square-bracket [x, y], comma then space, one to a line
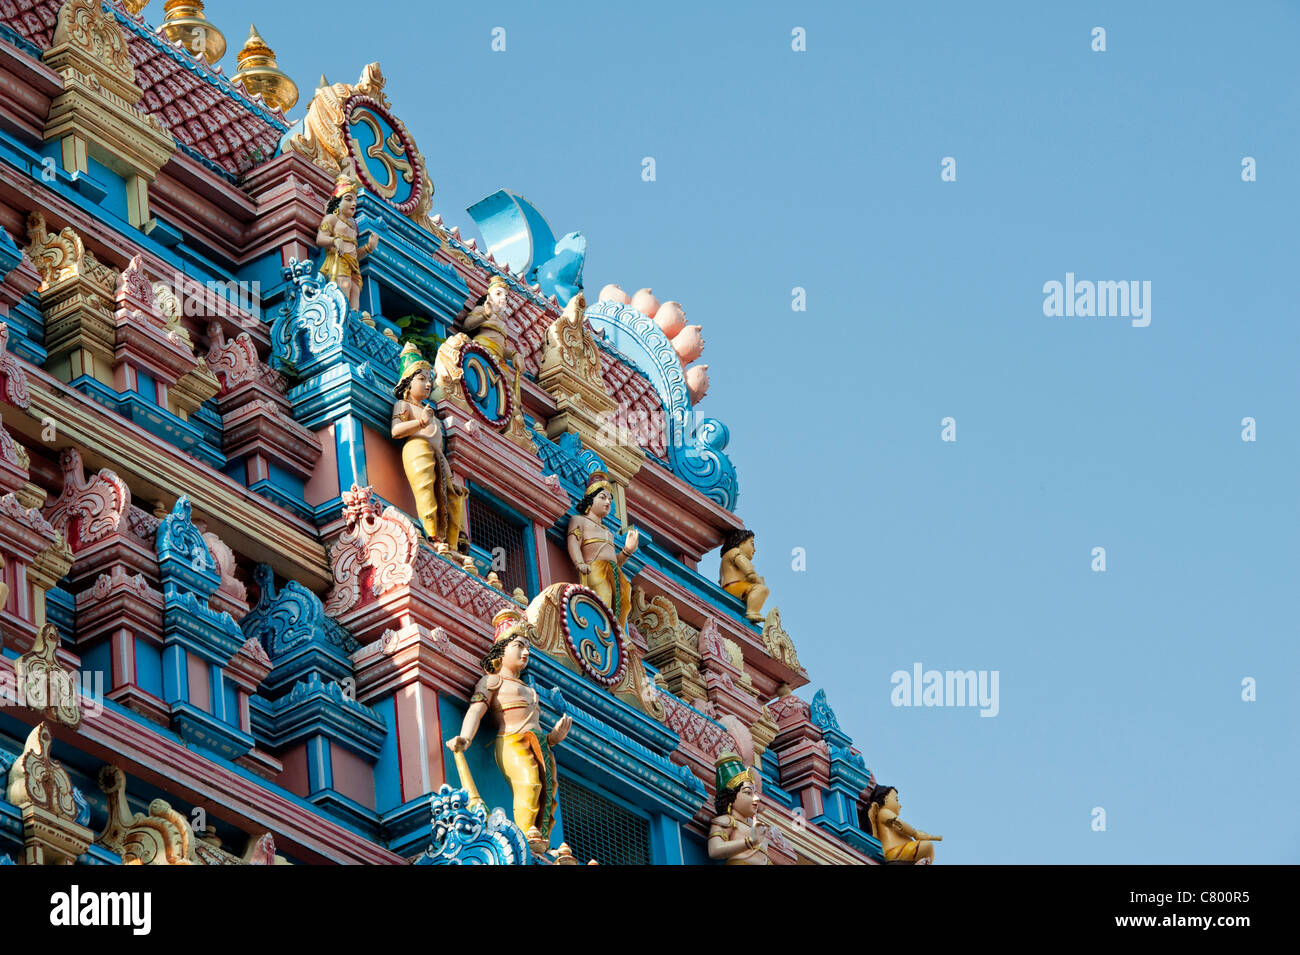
[821, 169]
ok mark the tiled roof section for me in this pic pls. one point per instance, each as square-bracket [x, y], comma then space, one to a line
[195, 103]
[198, 113]
[639, 407]
[33, 20]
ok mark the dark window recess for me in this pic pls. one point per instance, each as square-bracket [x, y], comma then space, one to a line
[503, 541]
[596, 828]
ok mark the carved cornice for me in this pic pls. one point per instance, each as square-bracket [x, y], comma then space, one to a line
[13, 379]
[671, 647]
[76, 292]
[50, 687]
[97, 505]
[98, 102]
[247, 522]
[40, 787]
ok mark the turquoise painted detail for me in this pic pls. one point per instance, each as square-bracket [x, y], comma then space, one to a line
[566, 458]
[403, 265]
[849, 778]
[369, 137]
[593, 636]
[464, 836]
[518, 236]
[696, 449]
[282, 620]
[617, 747]
[10, 254]
[342, 366]
[316, 709]
[195, 635]
[184, 562]
[485, 386]
[388, 784]
[143, 409]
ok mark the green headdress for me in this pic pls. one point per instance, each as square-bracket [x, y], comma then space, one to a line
[731, 772]
[409, 362]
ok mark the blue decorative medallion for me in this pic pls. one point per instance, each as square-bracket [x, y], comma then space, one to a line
[594, 637]
[384, 153]
[486, 389]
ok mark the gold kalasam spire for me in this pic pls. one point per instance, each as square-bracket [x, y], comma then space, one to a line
[259, 73]
[183, 20]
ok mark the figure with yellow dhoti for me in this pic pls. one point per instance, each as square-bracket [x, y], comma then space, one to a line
[901, 843]
[737, 576]
[592, 550]
[337, 235]
[439, 501]
[523, 751]
[734, 834]
[488, 324]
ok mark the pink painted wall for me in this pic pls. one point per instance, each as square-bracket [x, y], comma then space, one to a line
[294, 777]
[384, 470]
[353, 776]
[560, 566]
[200, 688]
[324, 481]
[419, 740]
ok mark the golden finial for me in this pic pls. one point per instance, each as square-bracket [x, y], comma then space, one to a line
[183, 21]
[259, 73]
[134, 7]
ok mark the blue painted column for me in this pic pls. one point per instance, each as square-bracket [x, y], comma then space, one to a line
[665, 840]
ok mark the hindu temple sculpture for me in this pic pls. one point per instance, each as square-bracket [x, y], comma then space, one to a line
[488, 324]
[522, 750]
[734, 834]
[591, 548]
[338, 237]
[737, 575]
[901, 843]
[441, 504]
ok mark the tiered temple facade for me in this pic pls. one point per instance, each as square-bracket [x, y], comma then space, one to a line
[207, 528]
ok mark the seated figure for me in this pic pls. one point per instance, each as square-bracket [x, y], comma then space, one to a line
[737, 575]
[901, 843]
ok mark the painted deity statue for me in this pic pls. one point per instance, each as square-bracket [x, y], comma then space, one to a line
[522, 751]
[488, 324]
[900, 842]
[441, 504]
[734, 833]
[591, 548]
[338, 237]
[737, 575]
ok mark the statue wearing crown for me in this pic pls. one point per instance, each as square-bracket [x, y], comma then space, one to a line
[440, 503]
[593, 551]
[734, 833]
[338, 237]
[488, 324]
[523, 751]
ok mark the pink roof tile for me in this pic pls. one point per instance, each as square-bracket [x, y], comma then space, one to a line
[231, 134]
